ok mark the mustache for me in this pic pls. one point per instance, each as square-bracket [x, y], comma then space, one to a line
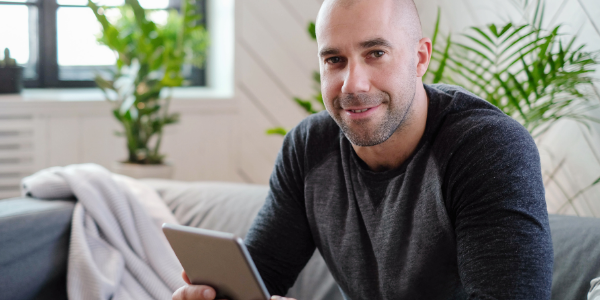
[353, 100]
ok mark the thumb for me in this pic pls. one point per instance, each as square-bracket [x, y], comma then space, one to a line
[185, 277]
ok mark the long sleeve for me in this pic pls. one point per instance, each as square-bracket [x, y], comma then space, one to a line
[280, 241]
[497, 203]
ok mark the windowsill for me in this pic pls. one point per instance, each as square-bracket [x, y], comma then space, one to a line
[95, 94]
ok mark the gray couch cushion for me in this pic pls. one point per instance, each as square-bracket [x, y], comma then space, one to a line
[34, 238]
[576, 243]
[231, 207]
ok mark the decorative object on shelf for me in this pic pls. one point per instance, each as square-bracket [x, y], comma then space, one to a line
[11, 75]
[150, 57]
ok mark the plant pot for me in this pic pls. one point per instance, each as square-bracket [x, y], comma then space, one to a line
[164, 171]
[11, 80]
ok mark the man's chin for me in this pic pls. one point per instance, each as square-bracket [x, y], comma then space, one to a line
[363, 139]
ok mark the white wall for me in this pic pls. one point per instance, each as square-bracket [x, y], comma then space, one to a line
[275, 58]
[224, 139]
[38, 134]
[217, 139]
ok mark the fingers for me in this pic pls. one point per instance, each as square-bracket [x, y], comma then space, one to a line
[185, 277]
[281, 298]
[194, 292]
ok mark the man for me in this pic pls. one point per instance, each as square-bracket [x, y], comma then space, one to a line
[408, 191]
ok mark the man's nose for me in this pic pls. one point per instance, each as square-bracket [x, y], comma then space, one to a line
[356, 80]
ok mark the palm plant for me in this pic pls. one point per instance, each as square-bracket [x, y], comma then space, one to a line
[526, 71]
[149, 58]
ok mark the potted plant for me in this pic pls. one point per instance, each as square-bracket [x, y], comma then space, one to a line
[11, 75]
[533, 74]
[150, 57]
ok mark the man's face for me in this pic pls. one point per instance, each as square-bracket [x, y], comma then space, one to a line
[368, 67]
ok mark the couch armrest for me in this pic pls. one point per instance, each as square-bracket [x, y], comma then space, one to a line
[576, 255]
[34, 238]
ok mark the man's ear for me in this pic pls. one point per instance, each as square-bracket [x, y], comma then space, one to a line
[423, 55]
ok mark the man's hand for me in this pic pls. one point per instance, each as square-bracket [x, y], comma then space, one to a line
[202, 292]
[194, 292]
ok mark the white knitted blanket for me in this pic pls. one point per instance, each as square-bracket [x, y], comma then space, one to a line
[117, 250]
[594, 293]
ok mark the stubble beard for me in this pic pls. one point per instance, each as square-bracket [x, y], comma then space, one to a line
[361, 132]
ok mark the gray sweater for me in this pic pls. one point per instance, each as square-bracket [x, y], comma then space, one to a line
[464, 217]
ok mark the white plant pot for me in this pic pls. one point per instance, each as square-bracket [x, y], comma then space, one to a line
[164, 171]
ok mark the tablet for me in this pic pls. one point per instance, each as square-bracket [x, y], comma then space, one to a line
[216, 259]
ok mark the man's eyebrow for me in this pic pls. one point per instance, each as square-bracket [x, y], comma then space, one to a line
[329, 51]
[366, 44]
[375, 42]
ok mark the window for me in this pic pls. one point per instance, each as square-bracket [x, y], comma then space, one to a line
[55, 40]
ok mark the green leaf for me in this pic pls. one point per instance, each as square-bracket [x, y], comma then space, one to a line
[307, 105]
[511, 98]
[312, 30]
[516, 31]
[505, 29]
[492, 28]
[471, 49]
[440, 71]
[520, 89]
[117, 115]
[277, 130]
[317, 77]
[596, 181]
[484, 45]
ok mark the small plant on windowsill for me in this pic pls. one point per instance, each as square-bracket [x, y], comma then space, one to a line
[150, 57]
[11, 74]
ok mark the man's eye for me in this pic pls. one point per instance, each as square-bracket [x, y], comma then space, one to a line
[377, 53]
[333, 60]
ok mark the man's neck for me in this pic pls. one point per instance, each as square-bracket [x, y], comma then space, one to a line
[395, 150]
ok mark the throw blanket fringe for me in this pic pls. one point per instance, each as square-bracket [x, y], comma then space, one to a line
[117, 249]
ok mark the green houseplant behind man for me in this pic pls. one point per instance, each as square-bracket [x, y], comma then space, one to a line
[409, 191]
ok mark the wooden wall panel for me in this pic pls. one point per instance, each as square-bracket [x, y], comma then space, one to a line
[99, 144]
[64, 141]
[291, 35]
[307, 10]
[258, 151]
[263, 87]
[275, 59]
[201, 147]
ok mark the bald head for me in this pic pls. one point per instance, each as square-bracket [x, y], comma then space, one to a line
[403, 13]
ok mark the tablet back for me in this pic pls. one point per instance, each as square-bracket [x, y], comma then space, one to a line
[217, 259]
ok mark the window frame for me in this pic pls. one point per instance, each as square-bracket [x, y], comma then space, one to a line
[43, 36]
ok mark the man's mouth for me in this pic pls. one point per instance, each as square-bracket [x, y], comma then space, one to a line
[358, 110]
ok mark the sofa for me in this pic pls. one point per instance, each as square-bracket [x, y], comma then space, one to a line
[34, 240]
